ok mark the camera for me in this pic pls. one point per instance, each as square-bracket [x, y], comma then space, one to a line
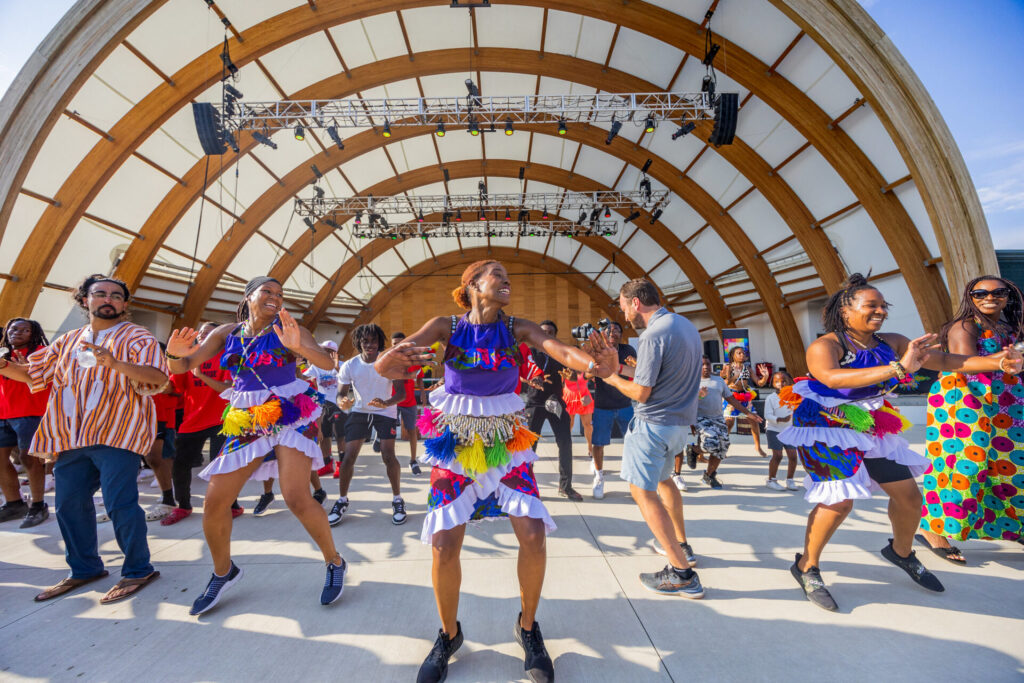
[582, 332]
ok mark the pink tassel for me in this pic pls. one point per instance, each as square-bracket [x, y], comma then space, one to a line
[426, 423]
[305, 403]
[887, 422]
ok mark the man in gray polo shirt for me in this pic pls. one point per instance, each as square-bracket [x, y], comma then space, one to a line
[665, 390]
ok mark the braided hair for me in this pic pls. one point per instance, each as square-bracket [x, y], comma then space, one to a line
[832, 315]
[37, 339]
[368, 331]
[1012, 315]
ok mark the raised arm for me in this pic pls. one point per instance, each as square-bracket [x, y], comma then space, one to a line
[414, 350]
[604, 361]
[14, 371]
[182, 353]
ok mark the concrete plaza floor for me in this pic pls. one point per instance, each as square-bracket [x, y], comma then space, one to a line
[598, 622]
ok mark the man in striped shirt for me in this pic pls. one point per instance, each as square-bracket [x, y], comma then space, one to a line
[98, 421]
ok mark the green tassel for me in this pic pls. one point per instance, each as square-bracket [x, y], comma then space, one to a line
[859, 419]
[496, 453]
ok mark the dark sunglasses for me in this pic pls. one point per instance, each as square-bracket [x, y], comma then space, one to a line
[999, 293]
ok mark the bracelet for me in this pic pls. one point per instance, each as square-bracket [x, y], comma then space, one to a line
[1002, 368]
[591, 366]
[901, 372]
[171, 356]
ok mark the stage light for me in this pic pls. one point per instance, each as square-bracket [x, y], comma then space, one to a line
[419, 218]
[359, 217]
[309, 223]
[300, 134]
[607, 212]
[387, 129]
[471, 88]
[264, 140]
[440, 130]
[508, 216]
[458, 215]
[230, 139]
[583, 217]
[686, 127]
[544, 214]
[632, 217]
[649, 125]
[616, 127]
[508, 127]
[707, 85]
[233, 91]
[319, 191]
[332, 132]
[645, 189]
[655, 216]
[562, 130]
[474, 128]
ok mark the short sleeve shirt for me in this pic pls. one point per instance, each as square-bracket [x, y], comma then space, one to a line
[715, 391]
[367, 384]
[668, 360]
[607, 397]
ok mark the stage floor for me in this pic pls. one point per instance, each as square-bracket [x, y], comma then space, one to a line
[597, 620]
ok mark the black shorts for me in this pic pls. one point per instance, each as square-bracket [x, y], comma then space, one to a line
[189, 446]
[334, 421]
[359, 426]
[885, 471]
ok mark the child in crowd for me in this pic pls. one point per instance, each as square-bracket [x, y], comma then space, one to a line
[776, 418]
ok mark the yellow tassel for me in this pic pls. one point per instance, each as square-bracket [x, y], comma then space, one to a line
[522, 440]
[236, 422]
[472, 458]
[267, 414]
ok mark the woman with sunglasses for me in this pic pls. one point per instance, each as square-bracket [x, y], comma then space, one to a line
[975, 487]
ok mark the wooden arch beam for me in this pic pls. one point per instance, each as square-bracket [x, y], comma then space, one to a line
[84, 183]
[504, 254]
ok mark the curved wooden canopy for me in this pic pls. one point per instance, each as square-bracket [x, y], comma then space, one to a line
[835, 146]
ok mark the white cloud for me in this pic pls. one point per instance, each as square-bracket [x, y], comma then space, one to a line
[1007, 195]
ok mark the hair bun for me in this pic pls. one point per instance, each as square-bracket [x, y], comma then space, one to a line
[855, 280]
[461, 297]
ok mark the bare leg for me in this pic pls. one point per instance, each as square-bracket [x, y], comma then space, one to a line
[598, 455]
[729, 422]
[410, 436]
[678, 465]
[348, 465]
[673, 502]
[791, 464]
[36, 470]
[756, 433]
[713, 462]
[394, 470]
[531, 565]
[293, 467]
[9, 484]
[821, 524]
[446, 573]
[773, 464]
[325, 441]
[588, 430]
[161, 468]
[314, 480]
[222, 491]
[660, 522]
[904, 513]
[268, 485]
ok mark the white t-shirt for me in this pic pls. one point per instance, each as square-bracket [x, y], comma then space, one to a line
[773, 410]
[367, 385]
[326, 382]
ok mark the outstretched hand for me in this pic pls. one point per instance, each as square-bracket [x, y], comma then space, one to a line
[917, 352]
[182, 341]
[289, 332]
[1011, 360]
[606, 357]
[396, 361]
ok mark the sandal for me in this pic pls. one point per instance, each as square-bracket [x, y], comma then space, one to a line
[950, 554]
[126, 588]
[67, 585]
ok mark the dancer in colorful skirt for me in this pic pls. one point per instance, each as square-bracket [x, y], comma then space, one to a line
[479, 446]
[266, 423]
[975, 487]
[736, 374]
[847, 433]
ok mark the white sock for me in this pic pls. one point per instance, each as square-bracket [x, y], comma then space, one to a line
[343, 499]
[396, 499]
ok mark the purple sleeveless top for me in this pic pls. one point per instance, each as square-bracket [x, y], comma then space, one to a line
[481, 360]
[267, 359]
[881, 354]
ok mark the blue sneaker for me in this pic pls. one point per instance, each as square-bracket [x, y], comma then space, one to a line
[668, 582]
[214, 590]
[334, 584]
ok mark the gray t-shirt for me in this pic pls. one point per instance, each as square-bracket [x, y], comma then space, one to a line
[668, 360]
[710, 405]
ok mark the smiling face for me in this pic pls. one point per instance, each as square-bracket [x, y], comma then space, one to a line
[369, 348]
[493, 286]
[266, 302]
[105, 300]
[614, 334]
[866, 312]
[989, 305]
[19, 333]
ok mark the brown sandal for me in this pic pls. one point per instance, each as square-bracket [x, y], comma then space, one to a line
[126, 588]
[66, 586]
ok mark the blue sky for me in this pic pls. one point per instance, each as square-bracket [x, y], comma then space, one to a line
[967, 54]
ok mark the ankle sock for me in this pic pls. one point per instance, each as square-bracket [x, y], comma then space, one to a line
[396, 499]
[685, 574]
[168, 497]
[38, 505]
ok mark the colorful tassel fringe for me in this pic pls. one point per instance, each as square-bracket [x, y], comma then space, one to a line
[236, 422]
[266, 415]
[789, 398]
[441, 447]
[427, 423]
[305, 404]
[496, 454]
[522, 440]
[473, 458]
[859, 419]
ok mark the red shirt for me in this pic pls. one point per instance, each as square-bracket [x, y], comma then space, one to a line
[410, 387]
[166, 404]
[204, 407]
[17, 399]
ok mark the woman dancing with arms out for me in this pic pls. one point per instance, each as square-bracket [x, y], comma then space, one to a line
[847, 433]
[269, 413]
[479, 447]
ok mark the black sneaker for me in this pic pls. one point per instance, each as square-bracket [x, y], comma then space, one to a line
[319, 496]
[398, 515]
[337, 512]
[214, 590]
[814, 586]
[435, 667]
[376, 446]
[262, 504]
[36, 515]
[13, 510]
[334, 584]
[415, 467]
[536, 662]
[691, 456]
[570, 493]
[912, 566]
[713, 482]
[706, 478]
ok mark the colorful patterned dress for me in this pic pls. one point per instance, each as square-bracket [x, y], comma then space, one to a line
[267, 406]
[476, 435]
[975, 486]
[834, 430]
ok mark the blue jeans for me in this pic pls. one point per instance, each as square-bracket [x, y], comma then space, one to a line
[649, 450]
[77, 475]
[604, 419]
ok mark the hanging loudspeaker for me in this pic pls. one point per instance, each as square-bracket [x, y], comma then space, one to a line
[726, 108]
[209, 129]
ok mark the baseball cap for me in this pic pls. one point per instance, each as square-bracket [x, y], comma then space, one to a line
[329, 345]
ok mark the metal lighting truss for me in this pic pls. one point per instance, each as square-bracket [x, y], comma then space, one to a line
[434, 230]
[555, 202]
[481, 110]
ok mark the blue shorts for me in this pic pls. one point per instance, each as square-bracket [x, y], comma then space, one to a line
[649, 451]
[18, 431]
[603, 420]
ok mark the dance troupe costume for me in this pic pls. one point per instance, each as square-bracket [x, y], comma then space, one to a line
[573, 394]
[267, 406]
[476, 435]
[975, 432]
[834, 430]
[744, 398]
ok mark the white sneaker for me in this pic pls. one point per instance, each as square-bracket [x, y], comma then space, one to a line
[775, 486]
[154, 484]
[48, 483]
[598, 486]
[792, 485]
[158, 512]
[144, 474]
[592, 470]
[678, 480]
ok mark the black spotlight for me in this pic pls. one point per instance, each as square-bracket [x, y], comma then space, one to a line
[616, 127]
[508, 216]
[686, 127]
[726, 110]
[508, 127]
[359, 217]
[474, 128]
[387, 129]
[440, 130]
[583, 217]
[471, 88]
[332, 131]
[544, 214]
[264, 140]
[562, 130]
[300, 133]
[632, 217]
[649, 125]
[607, 212]
[233, 91]
[655, 216]
[458, 215]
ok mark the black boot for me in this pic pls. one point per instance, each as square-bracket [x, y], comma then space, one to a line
[435, 667]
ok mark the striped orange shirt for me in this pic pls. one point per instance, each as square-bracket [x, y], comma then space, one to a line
[95, 406]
